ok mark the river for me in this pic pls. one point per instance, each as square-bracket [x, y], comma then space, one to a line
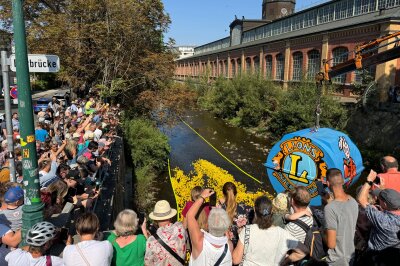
[244, 149]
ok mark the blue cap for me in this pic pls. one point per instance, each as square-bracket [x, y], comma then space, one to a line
[13, 194]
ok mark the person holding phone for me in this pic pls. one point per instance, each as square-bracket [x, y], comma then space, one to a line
[203, 212]
[212, 247]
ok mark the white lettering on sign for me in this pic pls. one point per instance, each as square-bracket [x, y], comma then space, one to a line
[39, 63]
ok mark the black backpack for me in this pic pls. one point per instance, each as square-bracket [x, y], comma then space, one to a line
[313, 240]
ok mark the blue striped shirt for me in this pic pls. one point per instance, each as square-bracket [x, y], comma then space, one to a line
[385, 226]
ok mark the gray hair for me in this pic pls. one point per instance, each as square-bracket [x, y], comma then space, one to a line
[126, 223]
[218, 222]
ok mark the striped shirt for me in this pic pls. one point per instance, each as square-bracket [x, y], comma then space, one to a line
[385, 226]
[296, 230]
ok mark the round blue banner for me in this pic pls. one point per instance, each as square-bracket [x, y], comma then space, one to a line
[301, 157]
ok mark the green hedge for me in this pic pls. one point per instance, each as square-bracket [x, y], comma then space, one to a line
[150, 151]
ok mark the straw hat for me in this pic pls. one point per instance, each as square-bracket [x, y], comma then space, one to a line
[162, 211]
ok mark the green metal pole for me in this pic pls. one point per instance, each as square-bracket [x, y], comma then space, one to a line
[33, 208]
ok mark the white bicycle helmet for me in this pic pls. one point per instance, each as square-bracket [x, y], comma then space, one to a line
[40, 233]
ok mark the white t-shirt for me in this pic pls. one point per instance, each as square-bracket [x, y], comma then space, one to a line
[97, 134]
[97, 253]
[210, 255]
[267, 247]
[21, 257]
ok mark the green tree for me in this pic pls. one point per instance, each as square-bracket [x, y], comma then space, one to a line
[100, 41]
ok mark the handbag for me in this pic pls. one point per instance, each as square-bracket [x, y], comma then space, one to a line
[167, 248]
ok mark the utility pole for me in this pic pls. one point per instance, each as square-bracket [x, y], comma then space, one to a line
[7, 107]
[33, 208]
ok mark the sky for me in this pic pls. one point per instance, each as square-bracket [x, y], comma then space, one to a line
[196, 22]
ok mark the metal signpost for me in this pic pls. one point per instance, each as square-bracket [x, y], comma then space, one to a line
[33, 207]
[7, 108]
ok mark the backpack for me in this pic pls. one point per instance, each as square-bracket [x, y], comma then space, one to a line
[313, 240]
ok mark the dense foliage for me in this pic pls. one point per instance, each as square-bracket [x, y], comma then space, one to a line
[252, 102]
[101, 41]
[245, 100]
[149, 150]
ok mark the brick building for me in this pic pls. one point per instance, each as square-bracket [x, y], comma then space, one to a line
[288, 46]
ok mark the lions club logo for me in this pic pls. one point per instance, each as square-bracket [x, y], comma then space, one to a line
[299, 162]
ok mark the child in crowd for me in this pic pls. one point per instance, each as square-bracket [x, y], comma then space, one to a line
[12, 215]
[203, 212]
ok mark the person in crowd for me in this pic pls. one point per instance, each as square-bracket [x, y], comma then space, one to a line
[16, 134]
[39, 239]
[40, 133]
[15, 120]
[171, 234]
[384, 243]
[237, 212]
[5, 170]
[261, 243]
[12, 215]
[390, 176]
[299, 201]
[204, 210]
[340, 221]
[280, 209]
[54, 105]
[129, 247]
[53, 198]
[88, 251]
[9, 237]
[4, 152]
[363, 228]
[212, 247]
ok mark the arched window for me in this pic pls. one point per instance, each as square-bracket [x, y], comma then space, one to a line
[221, 68]
[297, 65]
[280, 67]
[233, 66]
[313, 64]
[339, 55]
[226, 68]
[256, 61]
[268, 66]
[248, 65]
[239, 66]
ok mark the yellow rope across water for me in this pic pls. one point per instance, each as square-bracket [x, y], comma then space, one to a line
[223, 156]
[179, 212]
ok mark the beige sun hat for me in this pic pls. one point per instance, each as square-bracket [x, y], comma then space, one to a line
[280, 202]
[162, 211]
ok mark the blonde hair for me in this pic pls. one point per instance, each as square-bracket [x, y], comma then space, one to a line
[126, 223]
[229, 191]
[60, 187]
[196, 192]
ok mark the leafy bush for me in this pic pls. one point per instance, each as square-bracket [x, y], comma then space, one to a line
[149, 147]
[297, 111]
[251, 102]
[245, 100]
[149, 150]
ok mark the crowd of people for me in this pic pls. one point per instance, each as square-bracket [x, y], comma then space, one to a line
[72, 140]
[284, 230]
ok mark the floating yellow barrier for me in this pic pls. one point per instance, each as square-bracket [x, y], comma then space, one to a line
[216, 177]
